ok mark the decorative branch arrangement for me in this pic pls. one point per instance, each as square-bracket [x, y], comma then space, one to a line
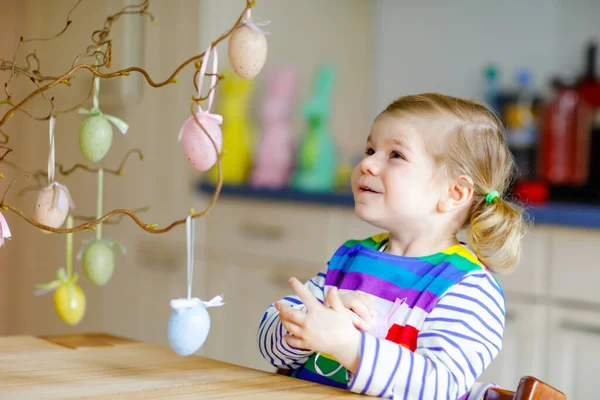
[200, 136]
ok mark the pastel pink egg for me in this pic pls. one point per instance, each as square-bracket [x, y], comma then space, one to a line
[197, 146]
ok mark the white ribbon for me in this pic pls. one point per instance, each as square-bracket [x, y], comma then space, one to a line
[190, 229]
[202, 115]
[54, 186]
[51, 155]
[254, 23]
[181, 304]
[4, 230]
[51, 164]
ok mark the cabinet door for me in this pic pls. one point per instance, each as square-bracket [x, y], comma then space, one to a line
[249, 284]
[522, 350]
[227, 335]
[574, 352]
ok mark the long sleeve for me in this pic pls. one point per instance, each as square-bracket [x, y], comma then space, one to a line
[270, 334]
[459, 339]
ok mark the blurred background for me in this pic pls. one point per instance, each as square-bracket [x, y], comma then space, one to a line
[293, 135]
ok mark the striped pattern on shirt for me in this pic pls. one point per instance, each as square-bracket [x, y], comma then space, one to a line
[440, 323]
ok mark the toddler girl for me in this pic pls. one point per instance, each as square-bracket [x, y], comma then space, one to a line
[411, 313]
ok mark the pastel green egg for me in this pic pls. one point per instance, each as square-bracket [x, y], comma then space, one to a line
[98, 262]
[95, 138]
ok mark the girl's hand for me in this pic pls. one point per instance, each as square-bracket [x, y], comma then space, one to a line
[326, 329]
[361, 307]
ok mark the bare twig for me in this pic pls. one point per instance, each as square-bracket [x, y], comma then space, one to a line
[116, 221]
[100, 39]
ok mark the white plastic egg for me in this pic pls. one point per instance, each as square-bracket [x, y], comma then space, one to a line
[247, 52]
[188, 329]
[52, 205]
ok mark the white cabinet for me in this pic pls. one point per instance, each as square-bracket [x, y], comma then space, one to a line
[574, 352]
[249, 284]
[254, 247]
[523, 348]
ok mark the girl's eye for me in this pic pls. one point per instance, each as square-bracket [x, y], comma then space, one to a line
[395, 154]
[369, 151]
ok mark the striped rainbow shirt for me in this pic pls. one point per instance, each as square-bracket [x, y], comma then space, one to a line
[439, 324]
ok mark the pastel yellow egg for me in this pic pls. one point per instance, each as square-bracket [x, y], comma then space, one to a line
[73, 313]
[247, 52]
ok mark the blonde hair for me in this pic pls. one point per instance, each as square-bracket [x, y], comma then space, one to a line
[474, 146]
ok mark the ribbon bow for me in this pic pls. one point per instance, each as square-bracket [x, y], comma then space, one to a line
[95, 111]
[202, 115]
[111, 243]
[184, 303]
[4, 230]
[61, 279]
[56, 197]
[254, 23]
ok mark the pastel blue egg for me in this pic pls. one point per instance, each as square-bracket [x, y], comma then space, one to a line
[188, 330]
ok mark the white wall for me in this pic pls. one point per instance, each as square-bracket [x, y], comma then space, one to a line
[440, 45]
[308, 33]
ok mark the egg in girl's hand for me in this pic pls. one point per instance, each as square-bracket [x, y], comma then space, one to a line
[197, 146]
[247, 51]
[70, 307]
[188, 329]
[52, 206]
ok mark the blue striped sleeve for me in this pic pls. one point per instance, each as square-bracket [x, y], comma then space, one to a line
[459, 339]
[270, 335]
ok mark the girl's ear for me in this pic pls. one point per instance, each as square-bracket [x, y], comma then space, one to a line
[458, 194]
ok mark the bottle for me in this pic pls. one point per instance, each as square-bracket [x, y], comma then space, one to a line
[491, 91]
[522, 126]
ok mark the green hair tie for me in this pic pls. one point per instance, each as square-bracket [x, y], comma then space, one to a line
[489, 198]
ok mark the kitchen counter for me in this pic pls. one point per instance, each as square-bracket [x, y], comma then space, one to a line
[561, 214]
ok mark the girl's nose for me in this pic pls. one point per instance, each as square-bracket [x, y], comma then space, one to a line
[370, 165]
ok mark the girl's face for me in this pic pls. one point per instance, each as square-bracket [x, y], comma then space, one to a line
[398, 184]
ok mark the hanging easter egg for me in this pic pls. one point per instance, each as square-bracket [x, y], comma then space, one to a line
[52, 205]
[247, 51]
[95, 138]
[188, 329]
[69, 302]
[197, 145]
[98, 262]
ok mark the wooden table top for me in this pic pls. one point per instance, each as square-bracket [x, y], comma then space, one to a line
[100, 366]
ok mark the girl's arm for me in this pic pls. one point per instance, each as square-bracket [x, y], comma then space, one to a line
[270, 334]
[460, 338]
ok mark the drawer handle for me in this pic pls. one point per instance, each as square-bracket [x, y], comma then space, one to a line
[581, 327]
[271, 232]
[510, 317]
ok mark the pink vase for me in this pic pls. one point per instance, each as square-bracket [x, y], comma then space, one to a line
[275, 154]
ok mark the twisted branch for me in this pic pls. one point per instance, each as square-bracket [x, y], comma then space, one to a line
[40, 176]
[115, 221]
[65, 78]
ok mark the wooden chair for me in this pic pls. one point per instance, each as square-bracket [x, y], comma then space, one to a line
[529, 388]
